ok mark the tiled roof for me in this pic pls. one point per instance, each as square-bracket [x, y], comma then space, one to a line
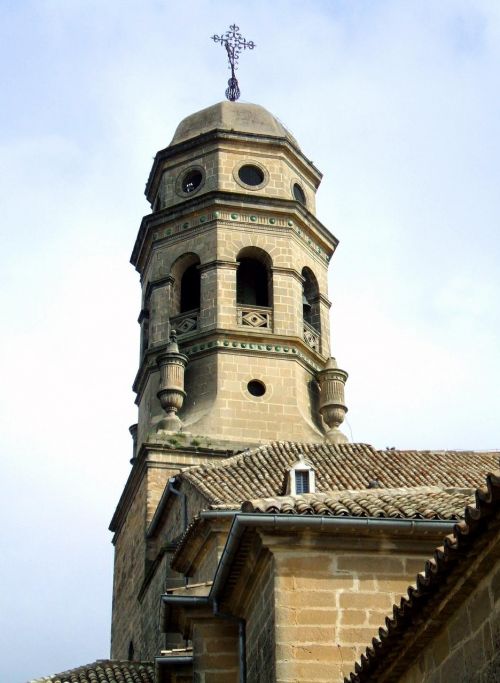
[105, 671]
[446, 566]
[424, 502]
[260, 473]
[421, 503]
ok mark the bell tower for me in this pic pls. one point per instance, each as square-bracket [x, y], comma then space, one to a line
[235, 333]
[233, 259]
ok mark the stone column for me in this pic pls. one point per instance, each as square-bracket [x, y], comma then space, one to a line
[226, 294]
[218, 295]
[287, 302]
[208, 296]
[324, 313]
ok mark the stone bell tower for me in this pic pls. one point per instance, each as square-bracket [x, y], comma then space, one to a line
[235, 347]
[233, 259]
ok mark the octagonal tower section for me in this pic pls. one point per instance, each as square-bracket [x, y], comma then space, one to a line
[234, 260]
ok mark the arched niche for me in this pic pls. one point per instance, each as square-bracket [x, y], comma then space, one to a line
[254, 278]
[310, 308]
[130, 654]
[254, 288]
[186, 293]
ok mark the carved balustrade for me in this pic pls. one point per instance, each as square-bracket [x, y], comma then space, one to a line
[311, 337]
[257, 317]
[185, 322]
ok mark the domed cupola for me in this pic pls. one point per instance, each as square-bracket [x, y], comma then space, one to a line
[238, 117]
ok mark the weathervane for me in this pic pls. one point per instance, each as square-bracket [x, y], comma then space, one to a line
[234, 43]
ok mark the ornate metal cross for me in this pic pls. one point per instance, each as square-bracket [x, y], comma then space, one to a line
[234, 43]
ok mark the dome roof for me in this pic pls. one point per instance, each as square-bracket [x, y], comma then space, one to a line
[232, 116]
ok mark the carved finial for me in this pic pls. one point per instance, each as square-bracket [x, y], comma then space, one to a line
[171, 392]
[234, 43]
[172, 346]
[332, 407]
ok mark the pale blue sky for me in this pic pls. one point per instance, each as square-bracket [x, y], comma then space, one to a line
[397, 102]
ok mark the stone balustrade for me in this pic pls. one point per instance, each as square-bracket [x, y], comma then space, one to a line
[258, 317]
[311, 337]
[185, 322]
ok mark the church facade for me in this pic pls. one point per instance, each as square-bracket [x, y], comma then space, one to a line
[252, 541]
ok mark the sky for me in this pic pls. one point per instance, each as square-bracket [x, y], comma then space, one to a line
[396, 101]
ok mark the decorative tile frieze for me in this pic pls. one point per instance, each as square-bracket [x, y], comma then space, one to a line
[199, 220]
[256, 347]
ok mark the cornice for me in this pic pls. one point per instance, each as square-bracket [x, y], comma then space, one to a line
[273, 213]
[241, 340]
[155, 284]
[218, 263]
[288, 271]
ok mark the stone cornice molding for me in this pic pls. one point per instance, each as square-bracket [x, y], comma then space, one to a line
[288, 271]
[217, 199]
[246, 340]
[156, 284]
[323, 299]
[143, 315]
[218, 264]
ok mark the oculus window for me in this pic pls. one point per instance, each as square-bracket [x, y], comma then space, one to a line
[251, 175]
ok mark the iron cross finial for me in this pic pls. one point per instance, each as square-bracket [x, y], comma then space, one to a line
[234, 43]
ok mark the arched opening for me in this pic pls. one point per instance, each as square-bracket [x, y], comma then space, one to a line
[186, 293]
[130, 655]
[251, 283]
[310, 308]
[254, 288]
[190, 289]
[144, 323]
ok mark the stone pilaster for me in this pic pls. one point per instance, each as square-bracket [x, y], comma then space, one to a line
[160, 294]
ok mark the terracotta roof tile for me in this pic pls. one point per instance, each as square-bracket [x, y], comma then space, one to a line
[105, 671]
[459, 548]
[420, 503]
[259, 473]
[402, 503]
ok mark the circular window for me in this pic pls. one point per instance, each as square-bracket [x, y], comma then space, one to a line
[298, 193]
[256, 388]
[191, 181]
[251, 175]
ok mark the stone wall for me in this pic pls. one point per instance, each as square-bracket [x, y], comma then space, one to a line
[130, 553]
[142, 568]
[283, 412]
[215, 649]
[329, 604]
[467, 649]
[260, 626]
[150, 639]
[220, 162]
